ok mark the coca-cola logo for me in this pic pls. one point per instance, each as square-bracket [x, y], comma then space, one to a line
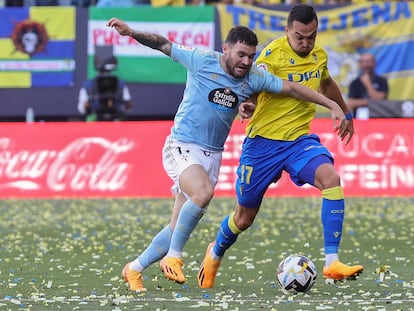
[89, 163]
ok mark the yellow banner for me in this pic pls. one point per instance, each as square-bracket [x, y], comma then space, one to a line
[384, 28]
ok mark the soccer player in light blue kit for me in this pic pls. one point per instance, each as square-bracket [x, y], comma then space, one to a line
[217, 85]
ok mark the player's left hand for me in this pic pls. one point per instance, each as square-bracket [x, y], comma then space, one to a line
[346, 131]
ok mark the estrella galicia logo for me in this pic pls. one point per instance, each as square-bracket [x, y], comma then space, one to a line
[223, 98]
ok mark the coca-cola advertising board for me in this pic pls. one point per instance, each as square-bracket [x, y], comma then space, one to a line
[123, 159]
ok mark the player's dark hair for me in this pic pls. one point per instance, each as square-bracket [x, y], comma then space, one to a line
[243, 35]
[302, 13]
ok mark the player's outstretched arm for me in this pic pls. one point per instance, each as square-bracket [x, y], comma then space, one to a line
[152, 40]
[302, 92]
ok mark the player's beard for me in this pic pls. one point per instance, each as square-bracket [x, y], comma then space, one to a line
[303, 53]
[236, 70]
[240, 72]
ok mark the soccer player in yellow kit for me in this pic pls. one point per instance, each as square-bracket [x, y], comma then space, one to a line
[278, 139]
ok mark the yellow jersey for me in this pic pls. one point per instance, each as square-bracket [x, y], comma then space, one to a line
[279, 116]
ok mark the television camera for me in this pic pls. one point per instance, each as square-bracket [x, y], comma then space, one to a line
[106, 97]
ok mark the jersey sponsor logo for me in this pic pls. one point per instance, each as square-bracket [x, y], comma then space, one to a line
[305, 76]
[224, 98]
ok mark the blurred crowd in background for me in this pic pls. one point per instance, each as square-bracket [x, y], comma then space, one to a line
[126, 3]
[363, 89]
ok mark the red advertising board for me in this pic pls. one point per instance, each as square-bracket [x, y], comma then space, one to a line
[42, 160]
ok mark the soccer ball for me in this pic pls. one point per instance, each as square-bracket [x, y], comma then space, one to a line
[296, 274]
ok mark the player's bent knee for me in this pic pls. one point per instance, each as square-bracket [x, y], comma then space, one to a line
[330, 181]
[202, 197]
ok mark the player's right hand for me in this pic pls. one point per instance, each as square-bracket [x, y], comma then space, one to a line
[246, 110]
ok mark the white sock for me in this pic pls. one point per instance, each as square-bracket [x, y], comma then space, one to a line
[173, 253]
[136, 265]
[213, 255]
[330, 258]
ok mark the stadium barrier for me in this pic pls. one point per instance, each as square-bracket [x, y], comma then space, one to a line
[115, 159]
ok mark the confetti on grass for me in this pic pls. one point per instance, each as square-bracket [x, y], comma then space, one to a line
[68, 255]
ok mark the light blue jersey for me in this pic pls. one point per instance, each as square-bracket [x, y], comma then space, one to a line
[211, 97]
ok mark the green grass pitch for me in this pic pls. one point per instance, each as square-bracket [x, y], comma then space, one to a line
[68, 255]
